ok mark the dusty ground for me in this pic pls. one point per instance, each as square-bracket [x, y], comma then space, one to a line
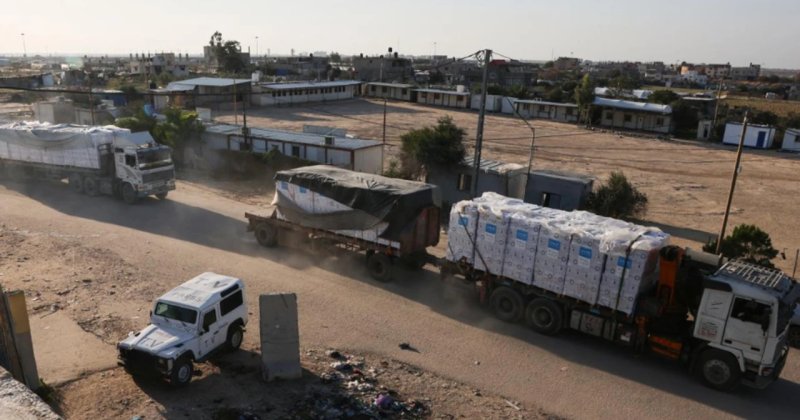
[686, 182]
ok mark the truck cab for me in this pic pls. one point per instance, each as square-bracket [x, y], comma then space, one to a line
[742, 325]
[188, 324]
[142, 167]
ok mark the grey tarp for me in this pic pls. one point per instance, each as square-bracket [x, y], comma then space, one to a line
[373, 198]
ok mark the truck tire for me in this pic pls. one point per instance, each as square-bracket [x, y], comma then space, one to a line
[507, 304]
[90, 187]
[129, 194]
[266, 235]
[719, 370]
[415, 261]
[544, 316]
[380, 267]
[182, 371]
[76, 183]
[235, 337]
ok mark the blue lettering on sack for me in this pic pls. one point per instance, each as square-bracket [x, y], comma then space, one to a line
[585, 252]
[303, 190]
[463, 220]
[490, 228]
[624, 262]
[522, 235]
[284, 185]
[554, 244]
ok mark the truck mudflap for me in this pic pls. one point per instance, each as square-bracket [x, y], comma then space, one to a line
[767, 375]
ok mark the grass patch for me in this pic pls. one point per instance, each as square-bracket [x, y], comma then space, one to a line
[779, 107]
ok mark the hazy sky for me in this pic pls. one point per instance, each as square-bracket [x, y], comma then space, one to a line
[734, 31]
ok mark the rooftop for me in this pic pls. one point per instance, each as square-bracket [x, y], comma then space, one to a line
[199, 291]
[447, 92]
[398, 85]
[535, 102]
[571, 176]
[495, 167]
[206, 81]
[294, 137]
[304, 85]
[749, 125]
[634, 106]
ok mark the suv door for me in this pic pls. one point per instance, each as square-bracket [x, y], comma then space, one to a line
[745, 329]
[210, 337]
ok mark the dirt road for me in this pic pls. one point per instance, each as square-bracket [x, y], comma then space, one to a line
[141, 251]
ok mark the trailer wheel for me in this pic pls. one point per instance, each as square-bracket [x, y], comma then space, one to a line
[380, 267]
[90, 186]
[76, 183]
[719, 370]
[266, 235]
[507, 304]
[129, 194]
[544, 316]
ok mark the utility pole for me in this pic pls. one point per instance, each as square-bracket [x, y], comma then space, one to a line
[24, 48]
[245, 130]
[235, 112]
[481, 116]
[716, 104]
[796, 256]
[733, 184]
[91, 98]
[384, 120]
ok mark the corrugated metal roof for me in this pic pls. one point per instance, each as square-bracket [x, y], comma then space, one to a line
[535, 102]
[572, 176]
[397, 85]
[207, 81]
[633, 106]
[293, 137]
[749, 125]
[793, 131]
[495, 166]
[304, 85]
[447, 92]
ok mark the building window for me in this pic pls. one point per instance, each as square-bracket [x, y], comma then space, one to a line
[541, 108]
[609, 116]
[436, 96]
[372, 88]
[659, 121]
[404, 91]
[423, 95]
[570, 111]
[464, 182]
[459, 99]
[296, 151]
[628, 118]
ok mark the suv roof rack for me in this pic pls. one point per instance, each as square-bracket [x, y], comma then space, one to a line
[757, 275]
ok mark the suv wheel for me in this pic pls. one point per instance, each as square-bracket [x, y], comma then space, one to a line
[182, 372]
[235, 337]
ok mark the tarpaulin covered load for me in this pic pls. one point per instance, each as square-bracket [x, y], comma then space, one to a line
[331, 198]
[595, 259]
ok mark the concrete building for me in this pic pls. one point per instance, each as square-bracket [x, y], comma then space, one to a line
[629, 115]
[57, 111]
[354, 154]
[399, 91]
[446, 98]
[757, 136]
[751, 72]
[455, 183]
[791, 140]
[494, 103]
[555, 111]
[558, 189]
[212, 92]
[390, 68]
[267, 94]
[158, 64]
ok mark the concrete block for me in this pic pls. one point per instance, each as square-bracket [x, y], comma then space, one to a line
[280, 336]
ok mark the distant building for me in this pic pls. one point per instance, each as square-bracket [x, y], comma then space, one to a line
[757, 136]
[391, 68]
[203, 92]
[558, 189]
[751, 72]
[57, 111]
[629, 115]
[554, 111]
[304, 92]
[791, 140]
[354, 154]
[446, 98]
[158, 64]
[399, 91]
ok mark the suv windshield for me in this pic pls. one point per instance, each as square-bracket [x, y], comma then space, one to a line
[177, 313]
[155, 157]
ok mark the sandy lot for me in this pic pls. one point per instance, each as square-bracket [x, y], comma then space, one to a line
[686, 182]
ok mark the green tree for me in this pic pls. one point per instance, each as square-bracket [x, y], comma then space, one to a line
[138, 122]
[554, 94]
[617, 198]
[179, 128]
[519, 92]
[441, 146]
[684, 116]
[664, 97]
[584, 97]
[228, 54]
[748, 243]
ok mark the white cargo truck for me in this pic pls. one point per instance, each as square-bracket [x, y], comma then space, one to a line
[95, 160]
[190, 323]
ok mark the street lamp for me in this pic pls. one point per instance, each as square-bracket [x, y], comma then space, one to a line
[24, 49]
[256, 48]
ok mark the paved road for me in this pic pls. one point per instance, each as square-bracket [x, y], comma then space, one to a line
[571, 375]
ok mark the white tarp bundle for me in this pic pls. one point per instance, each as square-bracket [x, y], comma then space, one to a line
[595, 259]
[59, 144]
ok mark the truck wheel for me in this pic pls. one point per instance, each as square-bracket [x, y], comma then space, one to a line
[415, 261]
[129, 194]
[235, 337]
[794, 336]
[544, 316]
[266, 235]
[182, 371]
[506, 304]
[90, 186]
[380, 267]
[76, 183]
[162, 196]
[719, 370]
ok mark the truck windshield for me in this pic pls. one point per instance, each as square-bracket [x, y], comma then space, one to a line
[154, 158]
[177, 313]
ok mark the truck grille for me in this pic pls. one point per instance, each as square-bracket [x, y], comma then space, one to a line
[158, 176]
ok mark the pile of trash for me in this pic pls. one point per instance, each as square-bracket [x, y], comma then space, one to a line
[349, 389]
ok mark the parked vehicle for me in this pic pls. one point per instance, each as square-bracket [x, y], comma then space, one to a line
[189, 324]
[95, 160]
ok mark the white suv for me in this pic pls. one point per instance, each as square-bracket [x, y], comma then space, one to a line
[190, 323]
